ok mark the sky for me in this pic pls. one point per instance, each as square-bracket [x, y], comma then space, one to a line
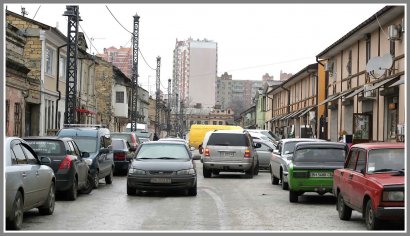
[252, 39]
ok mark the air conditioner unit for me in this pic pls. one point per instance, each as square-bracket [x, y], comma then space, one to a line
[368, 92]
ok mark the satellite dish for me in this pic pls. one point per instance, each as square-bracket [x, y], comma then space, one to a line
[378, 65]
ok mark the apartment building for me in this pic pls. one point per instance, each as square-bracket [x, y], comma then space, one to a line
[119, 57]
[365, 79]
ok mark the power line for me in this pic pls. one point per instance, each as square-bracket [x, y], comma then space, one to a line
[117, 20]
[145, 60]
[36, 12]
[88, 38]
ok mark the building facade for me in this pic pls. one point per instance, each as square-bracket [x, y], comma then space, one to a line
[365, 75]
[119, 57]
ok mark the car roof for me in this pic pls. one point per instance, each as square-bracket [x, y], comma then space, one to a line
[321, 144]
[46, 138]
[163, 142]
[379, 145]
[230, 131]
[300, 139]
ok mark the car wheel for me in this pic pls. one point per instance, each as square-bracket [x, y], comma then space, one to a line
[285, 185]
[372, 222]
[256, 171]
[109, 178]
[274, 180]
[207, 173]
[131, 191]
[17, 218]
[249, 173]
[48, 207]
[96, 180]
[89, 185]
[293, 196]
[344, 211]
[72, 192]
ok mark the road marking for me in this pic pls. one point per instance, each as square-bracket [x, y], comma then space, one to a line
[220, 206]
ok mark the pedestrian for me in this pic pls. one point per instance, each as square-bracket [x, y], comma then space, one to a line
[155, 137]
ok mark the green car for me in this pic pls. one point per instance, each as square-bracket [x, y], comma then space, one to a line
[312, 166]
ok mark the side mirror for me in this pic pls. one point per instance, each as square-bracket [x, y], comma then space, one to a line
[270, 150]
[257, 145]
[276, 151]
[45, 160]
[362, 171]
[201, 150]
[85, 154]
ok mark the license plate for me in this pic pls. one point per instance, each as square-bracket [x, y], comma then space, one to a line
[321, 174]
[161, 180]
[228, 154]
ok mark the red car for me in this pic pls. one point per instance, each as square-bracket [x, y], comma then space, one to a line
[372, 182]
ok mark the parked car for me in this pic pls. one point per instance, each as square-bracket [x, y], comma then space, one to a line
[260, 136]
[144, 134]
[273, 137]
[95, 140]
[372, 182]
[312, 166]
[130, 137]
[281, 158]
[230, 151]
[173, 140]
[68, 163]
[30, 183]
[264, 152]
[162, 165]
[143, 140]
[122, 154]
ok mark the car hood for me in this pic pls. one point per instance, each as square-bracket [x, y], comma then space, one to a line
[166, 165]
[387, 178]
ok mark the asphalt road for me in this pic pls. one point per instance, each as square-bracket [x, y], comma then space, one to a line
[229, 202]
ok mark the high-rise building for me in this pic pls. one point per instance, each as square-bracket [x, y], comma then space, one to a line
[121, 58]
[195, 71]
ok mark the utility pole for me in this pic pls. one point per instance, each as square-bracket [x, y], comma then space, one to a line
[73, 15]
[169, 108]
[157, 99]
[134, 96]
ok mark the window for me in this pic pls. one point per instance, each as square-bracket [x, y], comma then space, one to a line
[19, 154]
[220, 122]
[368, 48]
[31, 159]
[62, 68]
[314, 78]
[349, 64]
[361, 160]
[119, 97]
[214, 122]
[49, 60]
[17, 119]
[352, 159]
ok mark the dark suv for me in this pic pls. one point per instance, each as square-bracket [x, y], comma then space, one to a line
[68, 163]
[230, 151]
[95, 140]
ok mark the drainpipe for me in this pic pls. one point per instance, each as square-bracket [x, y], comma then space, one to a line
[89, 81]
[43, 53]
[317, 99]
[288, 108]
[58, 84]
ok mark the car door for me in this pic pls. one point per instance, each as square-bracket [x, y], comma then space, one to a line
[82, 168]
[358, 181]
[27, 174]
[264, 154]
[346, 175]
[105, 158]
[276, 161]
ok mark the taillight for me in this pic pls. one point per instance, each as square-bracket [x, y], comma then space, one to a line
[247, 153]
[119, 156]
[65, 164]
[207, 152]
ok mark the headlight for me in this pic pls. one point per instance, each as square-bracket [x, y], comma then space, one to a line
[186, 172]
[393, 196]
[136, 171]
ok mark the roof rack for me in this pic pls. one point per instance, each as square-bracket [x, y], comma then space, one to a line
[86, 125]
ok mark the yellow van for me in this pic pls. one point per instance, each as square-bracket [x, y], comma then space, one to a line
[197, 132]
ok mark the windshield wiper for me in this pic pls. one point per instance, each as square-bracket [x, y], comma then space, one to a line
[221, 144]
[143, 158]
[383, 170]
[165, 158]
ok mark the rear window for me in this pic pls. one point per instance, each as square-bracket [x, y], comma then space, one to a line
[118, 144]
[221, 139]
[319, 155]
[47, 147]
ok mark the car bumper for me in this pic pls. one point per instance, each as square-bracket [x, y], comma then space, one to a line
[144, 183]
[63, 182]
[121, 165]
[227, 166]
[390, 213]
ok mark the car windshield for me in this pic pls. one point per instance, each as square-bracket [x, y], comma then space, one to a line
[118, 144]
[221, 139]
[321, 155]
[163, 151]
[387, 159]
[288, 147]
[47, 147]
[126, 137]
[86, 144]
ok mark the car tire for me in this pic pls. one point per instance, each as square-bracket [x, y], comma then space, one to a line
[48, 207]
[345, 212]
[109, 178]
[131, 191]
[249, 173]
[89, 185]
[207, 173]
[256, 170]
[285, 185]
[274, 180]
[96, 180]
[16, 221]
[72, 192]
[293, 196]
[372, 222]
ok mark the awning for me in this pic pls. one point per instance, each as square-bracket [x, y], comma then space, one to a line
[306, 111]
[355, 92]
[85, 111]
[286, 116]
[297, 113]
[327, 100]
[377, 85]
[400, 81]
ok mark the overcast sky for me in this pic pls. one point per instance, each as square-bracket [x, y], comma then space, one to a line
[253, 39]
